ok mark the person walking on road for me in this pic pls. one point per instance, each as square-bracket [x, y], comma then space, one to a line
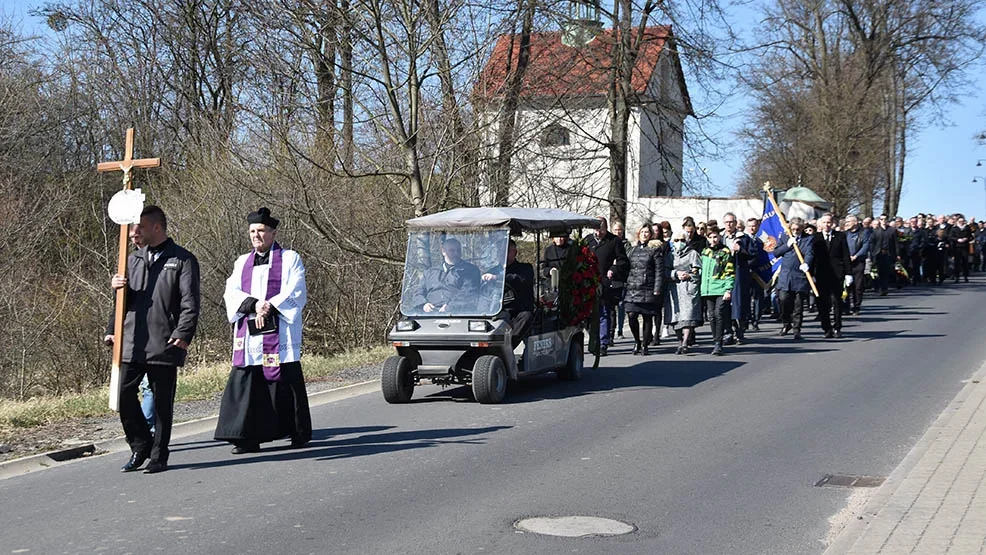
[265, 397]
[683, 308]
[718, 279]
[792, 282]
[832, 274]
[162, 311]
[644, 289]
[961, 237]
[613, 266]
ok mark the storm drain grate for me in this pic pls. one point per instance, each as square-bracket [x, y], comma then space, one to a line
[72, 453]
[847, 481]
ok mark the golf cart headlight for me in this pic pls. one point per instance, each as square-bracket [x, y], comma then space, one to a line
[479, 325]
[406, 325]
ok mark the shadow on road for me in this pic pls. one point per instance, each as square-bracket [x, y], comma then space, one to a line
[686, 371]
[892, 334]
[365, 444]
[317, 435]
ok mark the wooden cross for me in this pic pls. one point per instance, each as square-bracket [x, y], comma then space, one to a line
[125, 165]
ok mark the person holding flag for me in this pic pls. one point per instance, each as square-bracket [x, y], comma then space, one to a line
[793, 286]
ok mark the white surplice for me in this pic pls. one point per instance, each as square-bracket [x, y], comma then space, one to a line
[289, 302]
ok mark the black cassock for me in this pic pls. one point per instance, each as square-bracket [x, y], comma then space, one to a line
[256, 410]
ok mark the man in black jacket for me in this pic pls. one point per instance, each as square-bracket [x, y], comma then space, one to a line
[556, 253]
[919, 236]
[832, 272]
[518, 293]
[613, 267]
[961, 237]
[161, 316]
[883, 249]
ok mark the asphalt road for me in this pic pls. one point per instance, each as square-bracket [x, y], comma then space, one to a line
[702, 454]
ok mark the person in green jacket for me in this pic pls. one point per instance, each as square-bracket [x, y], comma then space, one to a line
[718, 276]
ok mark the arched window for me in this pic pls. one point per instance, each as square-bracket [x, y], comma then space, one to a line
[555, 135]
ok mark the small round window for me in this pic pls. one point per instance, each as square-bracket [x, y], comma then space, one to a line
[555, 135]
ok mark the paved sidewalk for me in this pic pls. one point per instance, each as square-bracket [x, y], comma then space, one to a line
[935, 501]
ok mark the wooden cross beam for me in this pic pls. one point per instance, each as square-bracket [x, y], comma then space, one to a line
[125, 165]
[128, 163]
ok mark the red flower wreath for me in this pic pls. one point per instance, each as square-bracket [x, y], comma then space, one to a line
[578, 284]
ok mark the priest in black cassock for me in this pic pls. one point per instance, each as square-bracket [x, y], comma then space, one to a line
[265, 397]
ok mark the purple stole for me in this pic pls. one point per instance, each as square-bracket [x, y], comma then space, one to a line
[272, 341]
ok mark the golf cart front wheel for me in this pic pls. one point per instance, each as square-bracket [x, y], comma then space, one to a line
[396, 380]
[489, 380]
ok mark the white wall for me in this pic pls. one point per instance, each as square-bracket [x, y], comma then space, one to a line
[576, 176]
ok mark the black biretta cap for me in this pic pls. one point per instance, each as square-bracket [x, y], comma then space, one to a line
[262, 216]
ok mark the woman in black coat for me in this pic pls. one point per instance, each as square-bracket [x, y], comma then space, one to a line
[642, 296]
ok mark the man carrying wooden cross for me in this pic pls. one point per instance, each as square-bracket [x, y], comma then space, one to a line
[162, 310]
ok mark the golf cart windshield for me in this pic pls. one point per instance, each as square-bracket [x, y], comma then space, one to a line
[454, 273]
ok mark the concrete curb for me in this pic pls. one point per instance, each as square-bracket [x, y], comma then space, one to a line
[857, 527]
[51, 459]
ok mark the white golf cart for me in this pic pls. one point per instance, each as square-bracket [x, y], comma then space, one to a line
[453, 329]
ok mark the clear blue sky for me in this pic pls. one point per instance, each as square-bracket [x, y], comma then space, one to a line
[940, 167]
[940, 164]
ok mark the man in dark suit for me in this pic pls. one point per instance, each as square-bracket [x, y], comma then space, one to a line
[961, 236]
[883, 249]
[613, 267]
[518, 293]
[833, 271]
[858, 238]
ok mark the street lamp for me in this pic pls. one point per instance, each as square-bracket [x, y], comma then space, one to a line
[982, 180]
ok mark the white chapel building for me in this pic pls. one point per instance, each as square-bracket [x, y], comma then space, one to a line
[561, 159]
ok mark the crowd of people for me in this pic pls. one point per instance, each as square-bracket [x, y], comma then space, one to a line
[663, 282]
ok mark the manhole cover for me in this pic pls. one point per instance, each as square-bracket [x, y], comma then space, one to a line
[574, 526]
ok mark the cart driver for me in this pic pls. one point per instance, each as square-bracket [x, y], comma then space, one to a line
[454, 279]
[518, 294]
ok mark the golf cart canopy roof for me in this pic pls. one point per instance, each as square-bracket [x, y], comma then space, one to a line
[517, 219]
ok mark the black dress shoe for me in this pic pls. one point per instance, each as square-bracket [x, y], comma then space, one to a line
[785, 330]
[829, 334]
[136, 460]
[154, 467]
[242, 448]
[838, 334]
[637, 348]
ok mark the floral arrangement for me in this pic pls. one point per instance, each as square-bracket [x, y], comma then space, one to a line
[578, 284]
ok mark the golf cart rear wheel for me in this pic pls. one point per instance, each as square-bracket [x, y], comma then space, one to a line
[489, 380]
[576, 360]
[396, 380]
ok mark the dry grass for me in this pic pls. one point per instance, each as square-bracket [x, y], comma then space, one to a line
[200, 382]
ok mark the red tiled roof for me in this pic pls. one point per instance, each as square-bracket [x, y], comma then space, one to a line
[556, 70]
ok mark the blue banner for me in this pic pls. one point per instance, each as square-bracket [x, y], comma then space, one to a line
[770, 233]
